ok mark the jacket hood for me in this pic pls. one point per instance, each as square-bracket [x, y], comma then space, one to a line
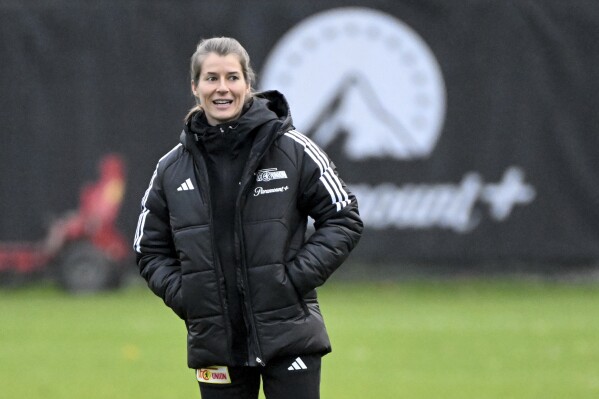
[277, 103]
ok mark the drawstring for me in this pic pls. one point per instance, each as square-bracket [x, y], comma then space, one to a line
[222, 130]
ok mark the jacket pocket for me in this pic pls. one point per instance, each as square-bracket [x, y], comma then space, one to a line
[299, 296]
[271, 289]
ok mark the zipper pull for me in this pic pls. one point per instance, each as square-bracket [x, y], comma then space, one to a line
[261, 362]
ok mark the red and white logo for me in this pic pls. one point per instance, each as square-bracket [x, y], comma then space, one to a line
[214, 375]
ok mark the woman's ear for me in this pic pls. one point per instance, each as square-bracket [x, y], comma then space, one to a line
[194, 89]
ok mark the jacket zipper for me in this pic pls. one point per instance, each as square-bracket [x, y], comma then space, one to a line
[254, 350]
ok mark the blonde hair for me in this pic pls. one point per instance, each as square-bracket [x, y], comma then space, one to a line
[222, 46]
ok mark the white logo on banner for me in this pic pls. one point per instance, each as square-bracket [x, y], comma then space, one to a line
[368, 82]
[365, 74]
[448, 206]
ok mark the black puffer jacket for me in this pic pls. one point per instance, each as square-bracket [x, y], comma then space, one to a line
[287, 178]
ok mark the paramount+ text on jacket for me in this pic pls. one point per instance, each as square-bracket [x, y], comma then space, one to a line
[286, 179]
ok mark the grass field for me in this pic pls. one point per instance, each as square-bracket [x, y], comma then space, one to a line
[418, 340]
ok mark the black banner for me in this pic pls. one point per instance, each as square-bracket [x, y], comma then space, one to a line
[468, 130]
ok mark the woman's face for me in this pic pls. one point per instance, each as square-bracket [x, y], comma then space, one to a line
[221, 88]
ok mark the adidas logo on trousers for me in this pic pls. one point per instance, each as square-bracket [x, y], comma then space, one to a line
[298, 364]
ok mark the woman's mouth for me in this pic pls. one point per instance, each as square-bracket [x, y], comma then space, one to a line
[219, 103]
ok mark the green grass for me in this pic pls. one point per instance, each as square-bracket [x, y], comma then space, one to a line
[428, 340]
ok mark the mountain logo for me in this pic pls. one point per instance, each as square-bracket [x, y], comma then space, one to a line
[362, 79]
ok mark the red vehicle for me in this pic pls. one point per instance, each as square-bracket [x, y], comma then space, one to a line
[83, 249]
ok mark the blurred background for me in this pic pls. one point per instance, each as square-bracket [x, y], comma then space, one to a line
[467, 130]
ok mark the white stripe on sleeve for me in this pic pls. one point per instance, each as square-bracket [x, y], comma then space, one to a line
[328, 177]
[144, 211]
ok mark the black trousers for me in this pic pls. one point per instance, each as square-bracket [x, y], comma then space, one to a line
[293, 377]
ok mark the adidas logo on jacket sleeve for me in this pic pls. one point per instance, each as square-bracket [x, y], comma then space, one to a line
[186, 186]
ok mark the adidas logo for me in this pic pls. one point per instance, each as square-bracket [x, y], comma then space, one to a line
[298, 364]
[186, 185]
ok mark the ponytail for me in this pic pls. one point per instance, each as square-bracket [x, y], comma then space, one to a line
[192, 111]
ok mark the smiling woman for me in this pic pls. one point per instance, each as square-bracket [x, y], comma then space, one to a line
[221, 235]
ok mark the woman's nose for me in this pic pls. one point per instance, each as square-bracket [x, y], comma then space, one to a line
[223, 85]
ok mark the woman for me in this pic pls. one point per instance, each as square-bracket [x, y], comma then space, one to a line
[221, 235]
